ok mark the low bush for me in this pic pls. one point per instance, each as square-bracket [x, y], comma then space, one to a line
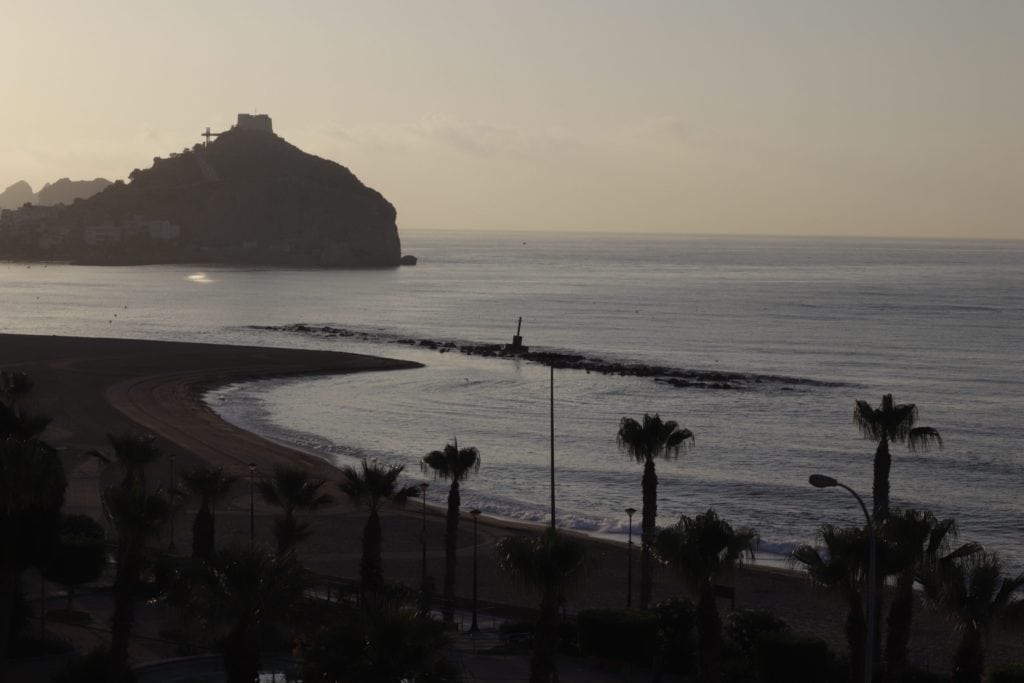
[676, 643]
[1007, 674]
[745, 626]
[619, 634]
[784, 656]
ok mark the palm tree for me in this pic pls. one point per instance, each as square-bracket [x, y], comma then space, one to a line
[455, 464]
[553, 565]
[238, 593]
[32, 485]
[890, 422]
[137, 516]
[79, 555]
[132, 452]
[698, 549]
[644, 443]
[211, 485]
[842, 568]
[976, 591]
[291, 489]
[912, 540]
[371, 486]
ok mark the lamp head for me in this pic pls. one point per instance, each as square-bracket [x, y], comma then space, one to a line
[630, 511]
[475, 513]
[822, 482]
[252, 467]
[423, 486]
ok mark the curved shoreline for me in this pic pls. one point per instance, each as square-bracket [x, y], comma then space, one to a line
[95, 386]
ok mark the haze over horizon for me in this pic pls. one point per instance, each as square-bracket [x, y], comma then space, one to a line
[795, 117]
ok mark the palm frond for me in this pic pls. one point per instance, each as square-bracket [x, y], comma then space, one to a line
[923, 438]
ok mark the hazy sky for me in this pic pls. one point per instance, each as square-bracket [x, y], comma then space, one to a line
[897, 118]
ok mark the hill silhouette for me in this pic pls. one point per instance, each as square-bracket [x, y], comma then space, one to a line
[247, 197]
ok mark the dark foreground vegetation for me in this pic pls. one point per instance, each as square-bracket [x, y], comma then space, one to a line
[246, 602]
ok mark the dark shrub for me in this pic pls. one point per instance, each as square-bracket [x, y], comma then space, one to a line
[1007, 674]
[785, 656]
[744, 626]
[619, 634]
[914, 674]
[676, 620]
[90, 668]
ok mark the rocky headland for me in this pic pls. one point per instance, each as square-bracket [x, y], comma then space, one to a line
[245, 197]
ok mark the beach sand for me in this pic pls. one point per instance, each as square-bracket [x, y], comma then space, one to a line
[92, 387]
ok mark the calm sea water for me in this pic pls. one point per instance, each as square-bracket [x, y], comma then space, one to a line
[936, 323]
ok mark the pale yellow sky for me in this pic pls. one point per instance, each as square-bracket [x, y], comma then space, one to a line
[782, 117]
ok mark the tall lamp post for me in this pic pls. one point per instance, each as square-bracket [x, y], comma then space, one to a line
[473, 628]
[172, 488]
[823, 482]
[629, 555]
[252, 504]
[423, 548]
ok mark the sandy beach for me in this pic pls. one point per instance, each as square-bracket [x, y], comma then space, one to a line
[92, 387]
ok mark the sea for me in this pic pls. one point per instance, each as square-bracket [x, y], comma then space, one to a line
[800, 328]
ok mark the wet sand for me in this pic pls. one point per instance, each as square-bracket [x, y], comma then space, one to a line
[92, 387]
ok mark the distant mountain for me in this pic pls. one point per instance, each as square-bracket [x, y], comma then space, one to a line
[16, 195]
[250, 197]
[66, 191]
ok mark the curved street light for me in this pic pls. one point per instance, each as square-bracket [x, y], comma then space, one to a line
[822, 481]
[629, 556]
[473, 628]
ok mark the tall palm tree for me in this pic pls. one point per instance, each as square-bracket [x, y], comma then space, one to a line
[137, 516]
[553, 565]
[645, 442]
[371, 486]
[32, 485]
[912, 541]
[698, 549]
[842, 568]
[291, 489]
[890, 422]
[454, 464]
[211, 485]
[238, 593]
[976, 591]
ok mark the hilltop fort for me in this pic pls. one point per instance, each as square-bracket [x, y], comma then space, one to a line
[242, 196]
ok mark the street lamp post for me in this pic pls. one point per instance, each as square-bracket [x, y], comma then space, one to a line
[423, 548]
[172, 487]
[821, 481]
[252, 504]
[629, 555]
[473, 628]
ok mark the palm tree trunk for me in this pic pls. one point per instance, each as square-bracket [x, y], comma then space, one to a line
[241, 655]
[969, 659]
[545, 641]
[129, 561]
[371, 570]
[202, 533]
[901, 615]
[709, 635]
[451, 542]
[856, 636]
[647, 531]
[8, 586]
[880, 482]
